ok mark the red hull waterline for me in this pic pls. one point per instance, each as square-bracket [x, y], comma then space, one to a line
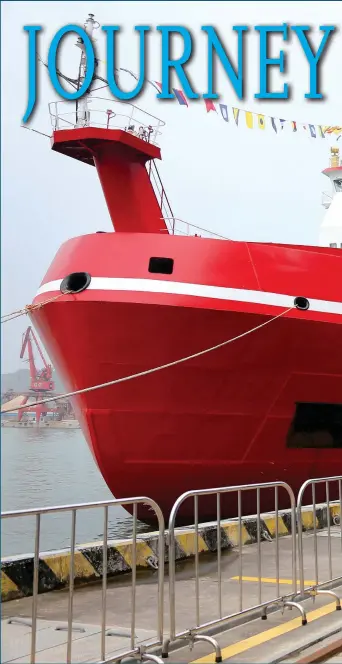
[216, 420]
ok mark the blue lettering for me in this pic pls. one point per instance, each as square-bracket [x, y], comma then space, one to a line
[214, 43]
[266, 62]
[312, 59]
[115, 90]
[32, 69]
[177, 65]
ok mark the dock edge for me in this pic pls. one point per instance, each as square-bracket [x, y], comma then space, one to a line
[54, 566]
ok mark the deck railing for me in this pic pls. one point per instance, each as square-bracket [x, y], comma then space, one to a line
[108, 114]
[180, 227]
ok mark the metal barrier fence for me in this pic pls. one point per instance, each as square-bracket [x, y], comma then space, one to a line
[326, 514]
[194, 634]
[323, 510]
[134, 649]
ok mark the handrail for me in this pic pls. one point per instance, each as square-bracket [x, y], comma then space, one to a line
[108, 113]
[199, 228]
[134, 648]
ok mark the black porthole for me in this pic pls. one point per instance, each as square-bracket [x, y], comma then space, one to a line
[301, 303]
[159, 265]
[76, 282]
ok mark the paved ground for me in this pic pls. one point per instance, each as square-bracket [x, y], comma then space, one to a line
[52, 608]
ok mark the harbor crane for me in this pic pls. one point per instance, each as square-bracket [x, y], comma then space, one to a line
[41, 380]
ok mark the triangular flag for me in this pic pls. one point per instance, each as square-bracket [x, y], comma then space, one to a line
[321, 132]
[236, 112]
[249, 119]
[180, 96]
[261, 121]
[282, 122]
[294, 125]
[273, 123]
[157, 86]
[209, 105]
[224, 112]
[312, 131]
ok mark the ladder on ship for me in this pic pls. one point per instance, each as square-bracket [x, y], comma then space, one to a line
[162, 198]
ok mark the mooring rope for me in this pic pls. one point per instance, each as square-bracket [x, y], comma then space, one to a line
[154, 369]
[31, 307]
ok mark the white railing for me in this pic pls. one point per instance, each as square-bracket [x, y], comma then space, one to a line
[108, 114]
[180, 227]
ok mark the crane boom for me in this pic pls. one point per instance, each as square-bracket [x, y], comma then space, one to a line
[27, 344]
[41, 380]
[46, 365]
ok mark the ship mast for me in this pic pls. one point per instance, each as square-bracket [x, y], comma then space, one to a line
[119, 145]
[82, 112]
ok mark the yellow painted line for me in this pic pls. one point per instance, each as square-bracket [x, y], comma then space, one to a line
[60, 565]
[142, 552]
[335, 510]
[7, 585]
[188, 543]
[308, 520]
[232, 531]
[287, 582]
[271, 525]
[263, 637]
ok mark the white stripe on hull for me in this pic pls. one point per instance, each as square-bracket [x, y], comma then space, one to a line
[198, 290]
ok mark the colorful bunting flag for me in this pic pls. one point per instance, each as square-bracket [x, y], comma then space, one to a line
[224, 112]
[331, 130]
[157, 86]
[180, 96]
[209, 104]
[236, 112]
[261, 121]
[249, 119]
[315, 130]
[273, 123]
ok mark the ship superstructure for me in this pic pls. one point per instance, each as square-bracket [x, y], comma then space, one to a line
[331, 228]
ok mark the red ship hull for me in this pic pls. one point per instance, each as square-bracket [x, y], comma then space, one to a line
[220, 419]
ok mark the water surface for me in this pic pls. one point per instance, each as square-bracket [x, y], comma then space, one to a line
[43, 467]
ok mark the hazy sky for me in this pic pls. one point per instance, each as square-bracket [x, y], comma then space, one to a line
[244, 184]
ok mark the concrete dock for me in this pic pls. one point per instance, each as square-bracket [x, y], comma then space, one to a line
[279, 638]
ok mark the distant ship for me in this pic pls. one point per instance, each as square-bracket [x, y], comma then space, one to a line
[266, 407]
